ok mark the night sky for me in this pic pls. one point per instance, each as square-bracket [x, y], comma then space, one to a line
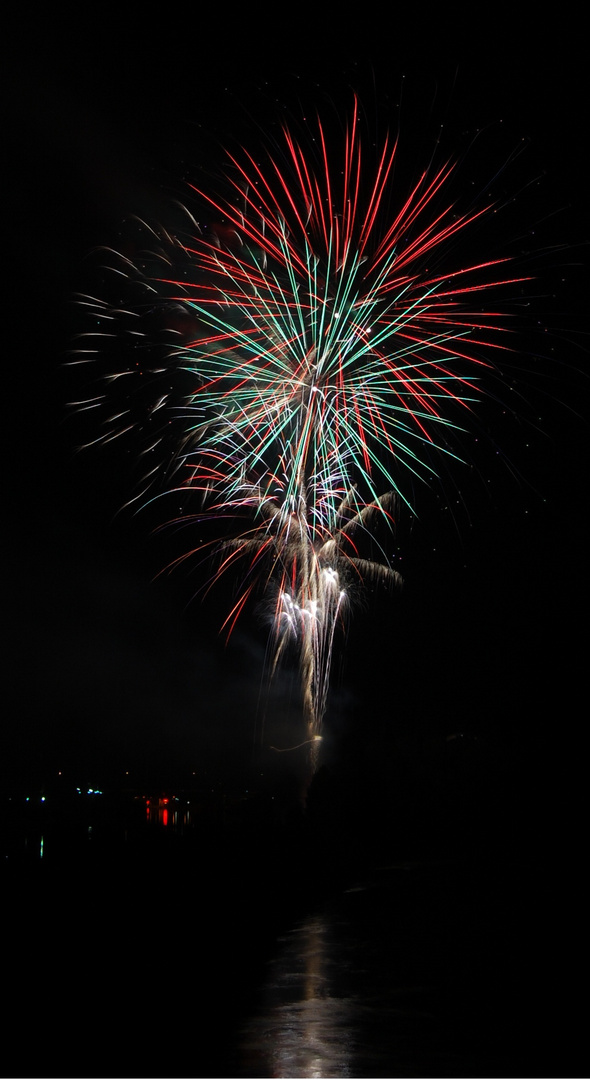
[110, 670]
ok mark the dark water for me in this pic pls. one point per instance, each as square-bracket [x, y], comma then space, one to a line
[158, 948]
[411, 974]
[341, 999]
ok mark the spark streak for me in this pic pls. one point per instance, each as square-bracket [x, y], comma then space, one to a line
[330, 349]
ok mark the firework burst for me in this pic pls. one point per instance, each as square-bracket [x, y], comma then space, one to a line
[323, 352]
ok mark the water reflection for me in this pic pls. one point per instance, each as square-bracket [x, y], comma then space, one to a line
[168, 811]
[304, 1027]
[355, 990]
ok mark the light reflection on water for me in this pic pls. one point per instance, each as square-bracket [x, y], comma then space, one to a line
[34, 832]
[302, 1029]
[332, 1007]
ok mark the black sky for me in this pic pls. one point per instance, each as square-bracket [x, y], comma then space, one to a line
[107, 668]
